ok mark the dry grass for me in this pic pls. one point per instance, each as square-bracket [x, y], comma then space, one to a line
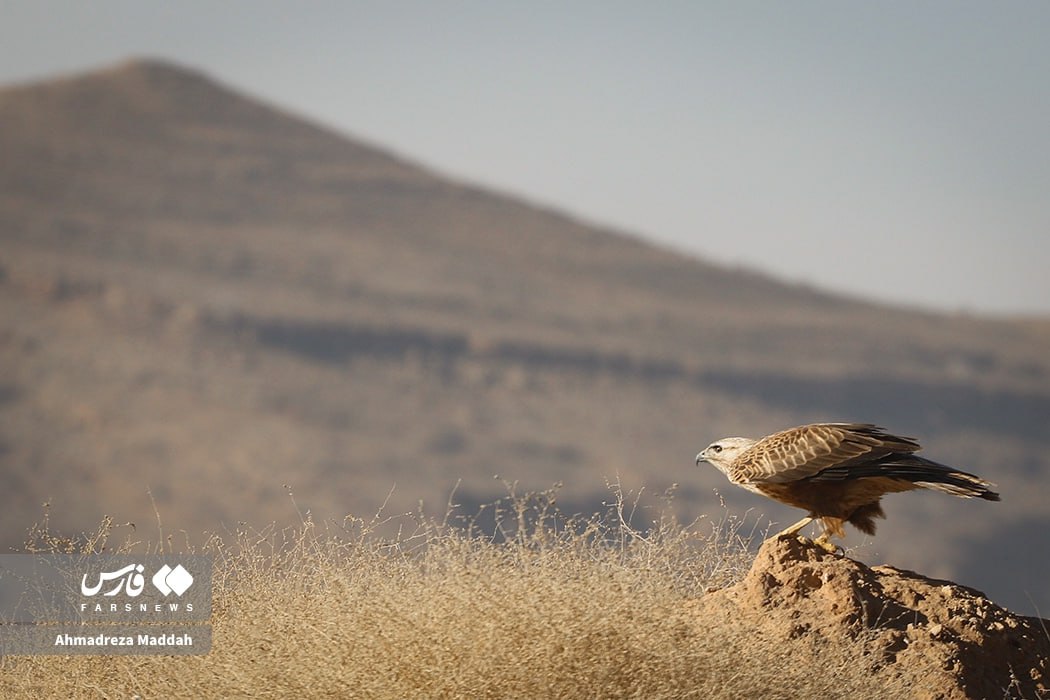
[537, 605]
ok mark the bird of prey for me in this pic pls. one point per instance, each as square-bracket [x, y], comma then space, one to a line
[838, 472]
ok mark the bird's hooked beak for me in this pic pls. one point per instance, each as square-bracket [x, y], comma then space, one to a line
[701, 458]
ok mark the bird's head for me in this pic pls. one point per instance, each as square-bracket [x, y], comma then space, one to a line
[721, 453]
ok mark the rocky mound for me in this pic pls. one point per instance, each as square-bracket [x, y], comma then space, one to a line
[937, 638]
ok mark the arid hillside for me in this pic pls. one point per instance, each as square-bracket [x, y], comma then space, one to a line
[206, 302]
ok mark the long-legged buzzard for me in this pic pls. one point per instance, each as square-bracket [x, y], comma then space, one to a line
[836, 471]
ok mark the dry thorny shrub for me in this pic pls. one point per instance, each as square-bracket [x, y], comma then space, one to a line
[517, 600]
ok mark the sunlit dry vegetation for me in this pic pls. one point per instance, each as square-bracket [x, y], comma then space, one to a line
[517, 600]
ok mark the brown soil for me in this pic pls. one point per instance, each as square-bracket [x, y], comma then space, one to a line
[942, 639]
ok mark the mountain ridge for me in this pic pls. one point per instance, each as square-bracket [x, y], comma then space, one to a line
[148, 88]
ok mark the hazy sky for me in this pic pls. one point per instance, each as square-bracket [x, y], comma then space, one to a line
[895, 150]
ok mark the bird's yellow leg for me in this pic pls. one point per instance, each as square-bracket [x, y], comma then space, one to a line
[825, 543]
[793, 530]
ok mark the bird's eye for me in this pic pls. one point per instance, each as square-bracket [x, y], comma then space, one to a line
[716, 448]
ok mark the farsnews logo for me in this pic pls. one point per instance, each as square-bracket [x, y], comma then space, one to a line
[168, 580]
[110, 593]
[130, 579]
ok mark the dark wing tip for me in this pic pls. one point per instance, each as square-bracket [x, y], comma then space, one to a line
[899, 443]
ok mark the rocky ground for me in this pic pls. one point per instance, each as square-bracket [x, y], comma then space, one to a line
[941, 639]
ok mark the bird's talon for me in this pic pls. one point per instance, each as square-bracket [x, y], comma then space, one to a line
[828, 546]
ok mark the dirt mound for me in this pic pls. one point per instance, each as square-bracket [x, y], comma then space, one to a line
[938, 638]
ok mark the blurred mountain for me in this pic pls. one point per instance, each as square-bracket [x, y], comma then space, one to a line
[208, 302]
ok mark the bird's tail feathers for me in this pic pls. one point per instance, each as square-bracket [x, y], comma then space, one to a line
[921, 472]
[963, 485]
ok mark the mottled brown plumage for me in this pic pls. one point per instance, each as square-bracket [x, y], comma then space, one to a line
[838, 472]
